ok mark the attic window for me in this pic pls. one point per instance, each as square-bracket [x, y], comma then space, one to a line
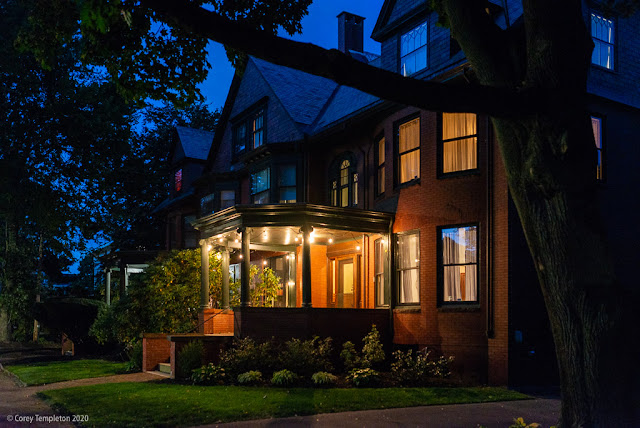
[249, 133]
[177, 179]
[413, 50]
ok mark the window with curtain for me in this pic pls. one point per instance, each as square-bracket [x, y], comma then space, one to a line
[258, 129]
[287, 183]
[382, 299]
[603, 35]
[227, 198]
[459, 142]
[413, 50]
[409, 151]
[207, 204]
[408, 267]
[261, 186]
[459, 264]
[596, 124]
[177, 180]
[380, 158]
[249, 132]
[344, 183]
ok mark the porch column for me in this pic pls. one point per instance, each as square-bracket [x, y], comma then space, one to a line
[107, 290]
[245, 298]
[204, 275]
[225, 277]
[306, 266]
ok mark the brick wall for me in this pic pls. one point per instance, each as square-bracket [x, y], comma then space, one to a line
[215, 321]
[155, 349]
[213, 345]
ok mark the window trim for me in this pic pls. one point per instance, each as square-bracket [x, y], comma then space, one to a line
[440, 150]
[246, 120]
[335, 170]
[269, 189]
[614, 20]
[397, 154]
[396, 269]
[426, 45]
[441, 303]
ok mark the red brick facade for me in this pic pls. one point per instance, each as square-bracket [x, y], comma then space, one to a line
[156, 349]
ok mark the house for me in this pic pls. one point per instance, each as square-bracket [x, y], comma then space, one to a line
[374, 212]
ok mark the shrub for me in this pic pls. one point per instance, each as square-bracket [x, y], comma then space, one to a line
[284, 378]
[134, 352]
[190, 358]
[252, 377]
[323, 379]
[408, 370]
[307, 357]
[246, 355]
[349, 356]
[209, 375]
[372, 352]
[365, 377]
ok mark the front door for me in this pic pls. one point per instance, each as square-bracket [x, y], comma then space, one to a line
[346, 283]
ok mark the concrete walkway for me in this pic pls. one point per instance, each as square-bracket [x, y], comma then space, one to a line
[544, 411]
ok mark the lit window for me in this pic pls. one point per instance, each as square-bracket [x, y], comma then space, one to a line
[260, 186]
[409, 151]
[459, 264]
[459, 142]
[344, 183]
[287, 183]
[603, 34]
[227, 199]
[408, 267]
[177, 178]
[413, 50]
[380, 177]
[382, 298]
[207, 204]
[258, 129]
[355, 189]
[249, 133]
[596, 124]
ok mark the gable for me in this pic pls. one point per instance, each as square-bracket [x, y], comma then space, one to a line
[394, 12]
[194, 143]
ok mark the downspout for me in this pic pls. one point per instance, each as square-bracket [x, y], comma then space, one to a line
[391, 278]
[489, 240]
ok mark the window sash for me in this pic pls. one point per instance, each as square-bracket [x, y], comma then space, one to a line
[227, 198]
[380, 162]
[258, 130]
[459, 142]
[413, 50]
[207, 204]
[603, 35]
[260, 186]
[408, 268]
[409, 150]
[596, 124]
[177, 177]
[459, 264]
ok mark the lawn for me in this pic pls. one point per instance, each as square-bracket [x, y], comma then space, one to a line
[166, 404]
[58, 371]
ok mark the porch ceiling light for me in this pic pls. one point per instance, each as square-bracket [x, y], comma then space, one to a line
[218, 256]
[264, 262]
[209, 247]
[357, 247]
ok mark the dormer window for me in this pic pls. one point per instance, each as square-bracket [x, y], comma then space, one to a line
[603, 34]
[177, 180]
[413, 50]
[249, 133]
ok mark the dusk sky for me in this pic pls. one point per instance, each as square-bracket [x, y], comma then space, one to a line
[320, 27]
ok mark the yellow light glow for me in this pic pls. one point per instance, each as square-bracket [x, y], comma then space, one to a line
[358, 248]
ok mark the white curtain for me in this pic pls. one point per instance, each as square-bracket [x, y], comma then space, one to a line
[409, 139]
[408, 263]
[461, 153]
[459, 257]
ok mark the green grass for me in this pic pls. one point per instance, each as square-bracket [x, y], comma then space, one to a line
[166, 404]
[58, 371]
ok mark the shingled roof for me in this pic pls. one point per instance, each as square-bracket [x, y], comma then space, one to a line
[195, 142]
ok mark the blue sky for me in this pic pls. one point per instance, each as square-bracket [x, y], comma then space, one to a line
[320, 27]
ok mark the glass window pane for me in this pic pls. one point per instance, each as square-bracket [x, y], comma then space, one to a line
[381, 178]
[287, 176]
[381, 151]
[207, 204]
[227, 199]
[408, 251]
[287, 195]
[409, 286]
[344, 197]
[260, 181]
[457, 125]
[459, 155]
[409, 135]
[413, 50]
[410, 166]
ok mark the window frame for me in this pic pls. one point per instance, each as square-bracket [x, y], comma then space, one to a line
[614, 45]
[397, 269]
[380, 184]
[178, 180]
[440, 267]
[268, 190]
[381, 242]
[397, 156]
[335, 177]
[279, 179]
[426, 46]
[603, 147]
[246, 121]
[440, 150]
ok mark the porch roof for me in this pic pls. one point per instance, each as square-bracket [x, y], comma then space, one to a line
[293, 215]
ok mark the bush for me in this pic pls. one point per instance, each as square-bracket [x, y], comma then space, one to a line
[284, 378]
[324, 379]
[365, 377]
[307, 357]
[252, 377]
[209, 375]
[349, 356]
[372, 352]
[408, 370]
[190, 358]
[134, 352]
[246, 355]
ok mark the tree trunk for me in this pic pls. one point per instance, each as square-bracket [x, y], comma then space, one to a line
[36, 325]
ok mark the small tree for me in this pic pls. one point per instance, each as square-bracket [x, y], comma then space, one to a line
[267, 285]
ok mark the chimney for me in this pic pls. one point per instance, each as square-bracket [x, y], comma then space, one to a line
[350, 32]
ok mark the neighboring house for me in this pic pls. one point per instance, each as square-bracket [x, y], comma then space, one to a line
[373, 212]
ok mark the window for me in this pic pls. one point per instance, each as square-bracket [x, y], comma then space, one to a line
[344, 185]
[459, 142]
[380, 156]
[596, 123]
[207, 204]
[409, 151]
[413, 50]
[408, 268]
[287, 184]
[603, 34]
[260, 186]
[190, 235]
[177, 179]
[249, 133]
[459, 264]
[382, 299]
[227, 199]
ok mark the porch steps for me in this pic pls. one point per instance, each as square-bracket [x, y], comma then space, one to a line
[164, 368]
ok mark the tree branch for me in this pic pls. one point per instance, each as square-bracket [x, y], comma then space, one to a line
[345, 70]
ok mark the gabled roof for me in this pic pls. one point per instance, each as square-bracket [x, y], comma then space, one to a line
[195, 142]
[345, 102]
[303, 95]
